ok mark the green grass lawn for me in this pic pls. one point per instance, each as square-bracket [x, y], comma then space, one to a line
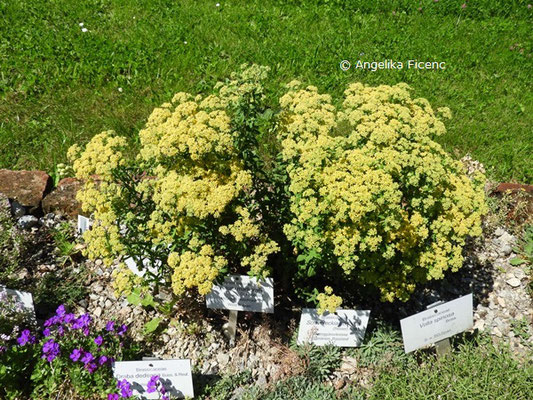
[59, 85]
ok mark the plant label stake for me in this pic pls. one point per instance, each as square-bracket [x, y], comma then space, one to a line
[442, 346]
[230, 328]
[241, 293]
[437, 323]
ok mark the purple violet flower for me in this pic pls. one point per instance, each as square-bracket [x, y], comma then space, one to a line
[110, 326]
[75, 355]
[50, 350]
[102, 360]
[113, 396]
[69, 318]
[24, 337]
[122, 330]
[60, 312]
[87, 358]
[82, 322]
[125, 388]
[47, 332]
[151, 387]
[99, 340]
[91, 367]
[52, 321]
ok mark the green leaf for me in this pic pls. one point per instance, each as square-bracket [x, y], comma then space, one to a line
[134, 298]
[152, 325]
[517, 261]
[148, 301]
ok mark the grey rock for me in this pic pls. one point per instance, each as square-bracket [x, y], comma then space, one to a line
[499, 232]
[261, 379]
[238, 393]
[97, 311]
[519, 273]
[513, 282]
[223, 359]
[17, 209]
[27, 221]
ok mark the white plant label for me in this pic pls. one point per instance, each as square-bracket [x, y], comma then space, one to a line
[132, 265]
[174, 375]
[345, 328]
[84, 224]
[437, 323]
[23, 300]
[242, 293]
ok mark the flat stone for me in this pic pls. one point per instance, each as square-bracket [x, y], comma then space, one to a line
[26, 187]
[348, 365]
[28, 221]
[97, 311]
[513, 282]
[62, 200]
[519, 273]
[499, 232]
[497, 332]
[501, 302]
[223, 359]
[513, 188]
[479, 325]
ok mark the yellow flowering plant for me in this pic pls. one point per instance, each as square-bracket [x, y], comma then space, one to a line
[222, 183]
[374, 199]
[189, 207]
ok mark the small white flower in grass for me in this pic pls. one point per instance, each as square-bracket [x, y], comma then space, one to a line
[120, 89]
[84, 29]
[184, 42]
[81, 23]
[217, 5]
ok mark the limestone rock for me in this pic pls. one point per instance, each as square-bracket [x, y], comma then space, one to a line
[26, 187]
[513, 282]
[62, 200]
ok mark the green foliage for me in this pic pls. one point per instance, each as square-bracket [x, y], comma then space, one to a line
[16, 366]
[223, 389]
[63, 285]
[60, 85]
[12, 246]
[299, 388]
[64, 240]
[522, 329]
[151, 326]
[475, 370]
[382, 348]
[319, 361]
[525, 249]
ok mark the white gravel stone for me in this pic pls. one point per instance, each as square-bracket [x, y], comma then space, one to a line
[513, 282]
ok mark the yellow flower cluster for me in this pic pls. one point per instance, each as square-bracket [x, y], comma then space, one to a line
[371, 188]
[194, 183]
[102, 154]
[124, 281]
[195, 270]
[94, 167]
[327, 301]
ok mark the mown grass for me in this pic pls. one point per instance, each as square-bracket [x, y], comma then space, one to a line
[59, 85]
